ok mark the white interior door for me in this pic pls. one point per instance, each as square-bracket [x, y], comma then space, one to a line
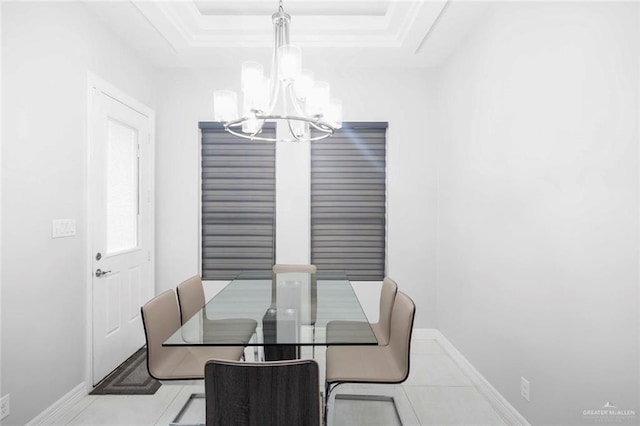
[121, 210]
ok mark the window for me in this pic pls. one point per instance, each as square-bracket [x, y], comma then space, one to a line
[122, 164]
[238, 203]
[348, 201]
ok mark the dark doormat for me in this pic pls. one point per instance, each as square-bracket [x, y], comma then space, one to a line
[130, 378]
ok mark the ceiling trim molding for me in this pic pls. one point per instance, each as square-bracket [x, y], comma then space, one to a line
[184, 26]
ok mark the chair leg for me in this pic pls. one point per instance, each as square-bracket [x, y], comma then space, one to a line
[326, 403]
[313, 347]
[354, 397]
[176, 420]
[327, 391]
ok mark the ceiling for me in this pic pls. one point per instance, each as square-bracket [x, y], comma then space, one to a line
[358, 33]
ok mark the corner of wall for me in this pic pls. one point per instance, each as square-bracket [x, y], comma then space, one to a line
[507, 412]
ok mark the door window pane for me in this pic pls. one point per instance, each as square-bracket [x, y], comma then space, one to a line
[122, 187]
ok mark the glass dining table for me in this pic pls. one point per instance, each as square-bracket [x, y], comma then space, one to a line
[289, 310]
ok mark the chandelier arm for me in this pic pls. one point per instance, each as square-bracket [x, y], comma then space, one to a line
[285, 108]
[286, 112]
[292, 132]
[283, 22]
[285, 33]
[325, 129]
[267, 139]
[322, 126]
[274, 98]
[294, 101]
[273, 81]
[259, 130]
[287, 88]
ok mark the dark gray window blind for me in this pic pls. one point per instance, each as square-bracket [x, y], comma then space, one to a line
[348, 201]
[238, 203]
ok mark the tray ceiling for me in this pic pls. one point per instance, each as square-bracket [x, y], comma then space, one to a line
[221, 33]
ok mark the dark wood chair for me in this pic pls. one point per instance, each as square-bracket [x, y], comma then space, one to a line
[277, 393]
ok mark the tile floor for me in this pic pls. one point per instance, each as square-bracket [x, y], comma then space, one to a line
[437, 392]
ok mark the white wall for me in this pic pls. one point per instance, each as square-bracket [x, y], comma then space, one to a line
[1, 133]
[538, 205]
[293, 203]
[403, 98]
[47, 50]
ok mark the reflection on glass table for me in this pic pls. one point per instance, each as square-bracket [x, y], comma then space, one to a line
[291, 309]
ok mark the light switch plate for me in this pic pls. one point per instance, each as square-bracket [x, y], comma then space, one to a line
[63, 228]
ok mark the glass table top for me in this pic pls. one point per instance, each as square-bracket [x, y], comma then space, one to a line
[290, 308]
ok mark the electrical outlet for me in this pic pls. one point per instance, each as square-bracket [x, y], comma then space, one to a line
[4, 406]
[524, 388]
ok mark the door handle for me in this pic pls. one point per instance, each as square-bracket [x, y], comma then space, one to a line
[100, 272]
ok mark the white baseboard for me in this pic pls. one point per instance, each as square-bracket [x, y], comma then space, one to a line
[426, 334]
[508, 413]
[60, 407]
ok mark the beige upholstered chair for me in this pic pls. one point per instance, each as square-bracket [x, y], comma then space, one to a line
[161, 318]
[191, 299]
[374, 364]
[337, 331]
[310, 269]
[284, 352]
[281, 267]
[266, 393]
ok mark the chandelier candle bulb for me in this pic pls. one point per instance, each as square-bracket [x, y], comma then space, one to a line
[318, 99]
[303, 84]
[334, 113]
[256, 99]
[225, 105]
[290, 63]
[252, 76]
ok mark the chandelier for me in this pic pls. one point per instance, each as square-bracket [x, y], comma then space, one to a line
[289, 97]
